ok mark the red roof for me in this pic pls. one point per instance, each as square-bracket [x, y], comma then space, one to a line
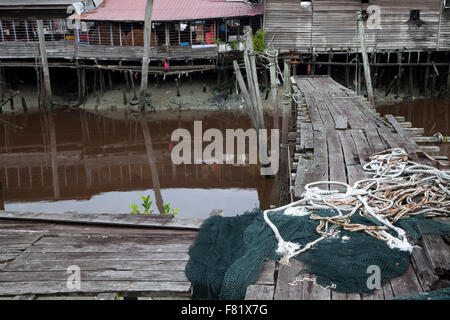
[170, 10]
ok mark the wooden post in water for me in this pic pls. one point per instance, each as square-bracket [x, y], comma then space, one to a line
[286, 102]
[365, 58]
[274, 91]
[53, 155]
[427, 74]
[245, 94]
[400, 71]
[252, 78]
[145, 58]
[448, 79]
[152, 163]
[44, 61]
[2, 200]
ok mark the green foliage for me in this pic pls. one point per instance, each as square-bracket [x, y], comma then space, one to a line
[169, 210]
[147, 204]
[259, 41]
[135, 208]
[234, 45]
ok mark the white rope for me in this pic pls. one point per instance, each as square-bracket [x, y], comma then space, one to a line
[391, 170]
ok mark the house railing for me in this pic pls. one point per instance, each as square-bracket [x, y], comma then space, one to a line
[164, 34]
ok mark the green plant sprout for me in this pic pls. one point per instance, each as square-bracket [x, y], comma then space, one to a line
[147, 204]
[169, 210]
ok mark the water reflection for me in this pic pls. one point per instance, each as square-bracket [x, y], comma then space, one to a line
[432, 115]
[85, 162]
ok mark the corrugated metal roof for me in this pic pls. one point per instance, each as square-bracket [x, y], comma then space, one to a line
[171, 10]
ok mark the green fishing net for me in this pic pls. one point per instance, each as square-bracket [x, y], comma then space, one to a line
[229, 252]
[441, 294]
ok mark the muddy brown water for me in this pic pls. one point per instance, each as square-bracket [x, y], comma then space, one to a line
[102, 165]
[432, 115]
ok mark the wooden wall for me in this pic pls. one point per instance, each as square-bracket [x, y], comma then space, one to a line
[332, 24]
[288, 24]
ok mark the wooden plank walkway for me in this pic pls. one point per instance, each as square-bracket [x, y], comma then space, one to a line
[338, 132]
[117, 255]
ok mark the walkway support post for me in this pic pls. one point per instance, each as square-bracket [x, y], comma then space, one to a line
[44, 62]
[365, 58]
[145, 58]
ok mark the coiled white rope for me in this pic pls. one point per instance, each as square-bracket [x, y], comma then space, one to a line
[391, 171]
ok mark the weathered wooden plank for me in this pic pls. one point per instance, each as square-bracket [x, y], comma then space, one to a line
[344, 296]
[376, 295]
[25, 297]
[267, 276]
[306, 137]
[107, 219]
[260, 292]
[334, 148]
[406, 285]
[285, 289]
[314, 292]
[103, 275]
[438, 253]
[304, 175]
[92, 265]
[424, 270]
[320, 167]
[354, 169]
[341, 122]
[148, 244]
[143, 288]
[409, 145]
[362, 146]
[107, 296]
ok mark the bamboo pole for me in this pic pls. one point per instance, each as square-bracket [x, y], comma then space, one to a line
[145, 58]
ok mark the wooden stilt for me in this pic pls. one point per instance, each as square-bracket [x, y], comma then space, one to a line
[365, 58]
[44, 62]
[347, 70]
[245, 94]
[427, 74]
[24, 105]
[53, 155]
[146, 58]
[177, 85]
[274, 91]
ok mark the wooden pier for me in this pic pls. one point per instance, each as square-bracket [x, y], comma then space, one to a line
[119, 256]
[337, 132]
[133, 256]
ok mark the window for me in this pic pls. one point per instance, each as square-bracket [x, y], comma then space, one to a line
[305, 5]
[414, 15]
[447, 4]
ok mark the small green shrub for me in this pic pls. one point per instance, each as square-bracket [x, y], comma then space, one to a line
[259, 41]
